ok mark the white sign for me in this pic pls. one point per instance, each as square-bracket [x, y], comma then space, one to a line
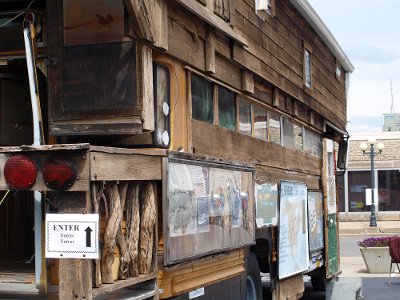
[368, 197]
[72, 236]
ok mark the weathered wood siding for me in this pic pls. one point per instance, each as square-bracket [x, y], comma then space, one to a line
[273, 53]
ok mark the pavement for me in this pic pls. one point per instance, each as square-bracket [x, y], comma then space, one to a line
[351, 264]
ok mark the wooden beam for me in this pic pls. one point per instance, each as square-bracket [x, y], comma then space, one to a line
[247, 81]
[141, 18]
[210, 50]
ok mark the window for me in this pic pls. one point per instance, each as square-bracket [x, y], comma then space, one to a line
[312, 143]
[260, 123]
[288, 133]
[307, 66]
[298, 136]
[222, 8]
[226, 108]
[274, 128]
[202, 100]
[244, 117]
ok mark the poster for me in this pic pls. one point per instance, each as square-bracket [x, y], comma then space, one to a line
[293, 232]
[182, 212]
[315, 221]
[203, 215]
[266, 195]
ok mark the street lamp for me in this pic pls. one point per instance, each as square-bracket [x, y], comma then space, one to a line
[372, 153]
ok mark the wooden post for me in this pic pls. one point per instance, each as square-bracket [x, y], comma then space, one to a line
[132, 227]
[147, 227]
[75, 274]
[113, 223]
[210, 50]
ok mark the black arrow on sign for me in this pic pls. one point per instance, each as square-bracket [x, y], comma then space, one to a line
[88, 237]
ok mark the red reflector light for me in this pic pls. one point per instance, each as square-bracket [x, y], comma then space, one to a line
[20, 172]
[59, 173]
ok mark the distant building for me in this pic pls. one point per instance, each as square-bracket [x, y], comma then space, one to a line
[357, 178]
[391, 122]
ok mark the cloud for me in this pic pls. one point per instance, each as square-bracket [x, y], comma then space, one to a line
[371, 54]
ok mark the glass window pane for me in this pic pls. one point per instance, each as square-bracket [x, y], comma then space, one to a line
[260, 123]
[288, 133]
[202, 101]
[244, 117]
[307, 62]
[312, 143]
[274, 128]
[298, 136]
[389, 190]
[226, 108]
[358, 182]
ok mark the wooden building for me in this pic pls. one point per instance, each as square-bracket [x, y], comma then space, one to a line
[171, 120]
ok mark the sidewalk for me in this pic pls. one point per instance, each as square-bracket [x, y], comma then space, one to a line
[363, 228]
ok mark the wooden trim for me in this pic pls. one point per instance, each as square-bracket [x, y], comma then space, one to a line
[189, 111]
[215, 103]
[141, 22]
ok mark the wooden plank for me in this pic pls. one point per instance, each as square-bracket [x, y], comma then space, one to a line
[189, 111]
[107, 127]
[189, 276]
[119, 284]
[145, 84]
[75, 274]
[210, 50]
[218, 142]
[161, 24]
[124, 167]
[228, 73]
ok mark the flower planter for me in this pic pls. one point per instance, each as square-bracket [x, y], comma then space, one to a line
[377, 259]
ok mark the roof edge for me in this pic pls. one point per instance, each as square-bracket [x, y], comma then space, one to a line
[306, 10]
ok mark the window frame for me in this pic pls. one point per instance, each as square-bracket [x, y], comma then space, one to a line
[307, 84]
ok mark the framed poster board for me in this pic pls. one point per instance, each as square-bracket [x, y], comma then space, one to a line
[207, 209]
[293, 254]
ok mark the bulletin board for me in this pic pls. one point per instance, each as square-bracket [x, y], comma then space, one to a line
[207, 209]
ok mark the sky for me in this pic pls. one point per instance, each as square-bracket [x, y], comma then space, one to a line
[368, 32]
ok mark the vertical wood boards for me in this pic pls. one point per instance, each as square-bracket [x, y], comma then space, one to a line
[275, 53]
[247, 82]
[75, 274]
[210, 50]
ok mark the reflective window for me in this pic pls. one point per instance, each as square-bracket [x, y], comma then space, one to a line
[312, 143]
[288, 133]
[298, 136]
[202, 100]
[244, 117]
[260, 123]
[274, 128]
[226, 108]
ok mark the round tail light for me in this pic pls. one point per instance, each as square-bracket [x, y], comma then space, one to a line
[59, 173]
[20, 172]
